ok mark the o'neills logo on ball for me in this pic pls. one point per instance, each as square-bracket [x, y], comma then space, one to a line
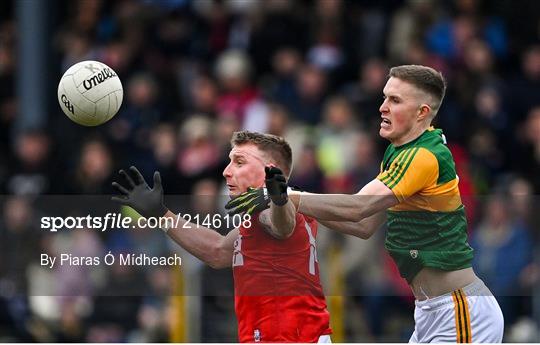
[98, 78]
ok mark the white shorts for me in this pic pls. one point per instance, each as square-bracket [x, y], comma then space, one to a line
[466, 315]
[325, 339]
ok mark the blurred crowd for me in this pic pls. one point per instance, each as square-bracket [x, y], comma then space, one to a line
[195, 71]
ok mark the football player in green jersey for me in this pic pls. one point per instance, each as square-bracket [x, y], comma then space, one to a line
[416, 193]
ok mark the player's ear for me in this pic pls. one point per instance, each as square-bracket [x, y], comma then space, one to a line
[423, 111]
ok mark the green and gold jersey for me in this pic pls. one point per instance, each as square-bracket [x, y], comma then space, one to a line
[428, 227]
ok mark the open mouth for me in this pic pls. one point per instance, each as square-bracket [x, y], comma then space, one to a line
[385, 123]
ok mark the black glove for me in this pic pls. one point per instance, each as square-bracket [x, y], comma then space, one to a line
[258, 199]
[250, 202]
[277, 185]
[148, 202]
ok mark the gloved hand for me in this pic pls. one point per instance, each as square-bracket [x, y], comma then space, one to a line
[253, 201]
[258, 199]
[138, 195]
[277, 185]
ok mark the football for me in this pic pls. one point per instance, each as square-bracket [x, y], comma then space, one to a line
[90, 93]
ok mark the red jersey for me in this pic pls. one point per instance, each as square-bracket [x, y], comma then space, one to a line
[278, 294]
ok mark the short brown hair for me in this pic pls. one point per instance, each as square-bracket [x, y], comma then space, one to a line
[276, 147]
[424, 78]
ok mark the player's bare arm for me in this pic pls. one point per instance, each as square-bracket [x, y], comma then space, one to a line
[363, 229]
[371, 199]
[280, 219]
[206, 244]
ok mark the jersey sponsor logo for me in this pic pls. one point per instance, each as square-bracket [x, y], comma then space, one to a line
[256, 336]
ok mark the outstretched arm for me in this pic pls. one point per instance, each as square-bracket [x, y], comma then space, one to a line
[206, 244]
[372, 198]
[392, 186]
[280, 219]
[363, 229]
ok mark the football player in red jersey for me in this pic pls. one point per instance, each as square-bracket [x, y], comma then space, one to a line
[278, 294]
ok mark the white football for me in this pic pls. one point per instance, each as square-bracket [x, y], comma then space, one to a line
[90, 93]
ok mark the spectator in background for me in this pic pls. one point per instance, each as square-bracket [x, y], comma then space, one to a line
[233, 70]
[19, 240]
[199, 156]
[408, 26]
[524, 206]
[365, 93]
[117, 304]
[365, 161]
[119, 56]
[448, 37]
[308, 174]
[526, 156]
[475, 71]
[281, 84]
[326, 51]
[8, 100]
[335, 152]
[487, 135]
[478, 70]
[278, 120]
[279, 25]
[524, 89]
[309, 95]
[93, 172]
[130, 129]
[152, 322]
[418, 54]
[275, 119]
[203, 96]
[490, 113]
[223, 129]
[76, 47]
[493, 240]
[164, 145]
[31, 170]
[74, 284]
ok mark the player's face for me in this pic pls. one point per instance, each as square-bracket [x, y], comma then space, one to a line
[399, 110]
[246, 169]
